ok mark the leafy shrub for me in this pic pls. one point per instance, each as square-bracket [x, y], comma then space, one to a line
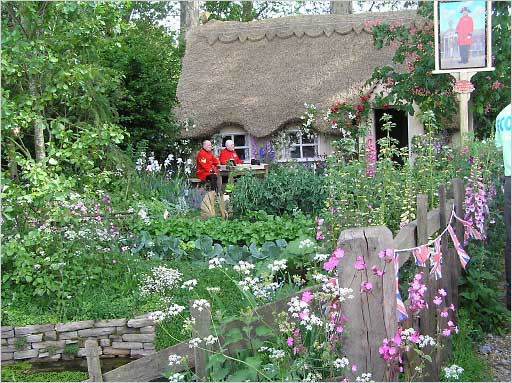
[285, 190]
[21, 372]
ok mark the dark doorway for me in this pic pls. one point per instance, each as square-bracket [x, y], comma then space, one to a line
[399, 132]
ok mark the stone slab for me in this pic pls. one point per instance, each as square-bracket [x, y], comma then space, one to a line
[34, 338]
[7, 356]
[7, 334]
[73, 326]
[138, 337]
[107, 356]
[68, 335]
[117, 338]
[4, 342]
[10, 348]
[110, 323]
[49, 343]
[125, 330]
[81, 352]
[26, 354]
[130, 345]
[142, 322]
[6, 328]
[96, 331]
[115, 351]
[105, 342]
[149, 346]
[50, 335]
[34, 329]
[147, 330]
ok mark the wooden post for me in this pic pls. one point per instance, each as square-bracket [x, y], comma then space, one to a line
[427, 317]
[201, 329]
[371, 316]
[93, 361]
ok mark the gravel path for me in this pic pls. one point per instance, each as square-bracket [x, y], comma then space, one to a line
[496, 350]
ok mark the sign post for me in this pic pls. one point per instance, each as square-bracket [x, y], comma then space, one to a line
[463, 47]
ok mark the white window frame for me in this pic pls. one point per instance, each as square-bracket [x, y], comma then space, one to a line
[287, 151]
[247, 145]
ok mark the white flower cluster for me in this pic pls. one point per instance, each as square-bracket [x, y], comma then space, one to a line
[190, 284]
[453, 372]
[160, 281]
[320, 277]
[177, 377]
[194, 342]
[296, 306]
[172, 311]
[273, 353]
[365, 377]
[340, 363]
[174, 359]
[309, 116]
[342, 293]
[260, 290]
[210, 339]
[216, 263]
[244, 267]
[153, 166]
[248, 283]
[278, 265]
[313, 377]
[306, 243]
[321, 257]
[426, 340]
[201, 304]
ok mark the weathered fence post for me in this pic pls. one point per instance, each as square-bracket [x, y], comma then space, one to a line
[200, 329]
[93, 361]
[371, 316]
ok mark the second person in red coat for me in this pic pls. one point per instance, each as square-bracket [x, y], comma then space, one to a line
[229, 153]
[206, 164]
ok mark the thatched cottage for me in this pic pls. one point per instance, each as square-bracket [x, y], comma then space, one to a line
[249, 81]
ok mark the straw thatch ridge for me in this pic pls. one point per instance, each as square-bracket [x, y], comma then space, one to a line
[258, 75]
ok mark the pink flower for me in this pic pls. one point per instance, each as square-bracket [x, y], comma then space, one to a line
[497, 85]
[307, 296]
[442, 292]
[437, 300]
[415, 337]
[377, 272]
[290, 342]
[319, 236]
[447, 332]
[452, 307]
[366, 287]
[304, 315]
[338, 253]
[331, 264]
[354, 367]
[360, 265]
[339, 329]
[444, 314]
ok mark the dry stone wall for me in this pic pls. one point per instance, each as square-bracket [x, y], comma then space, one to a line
[49, 342]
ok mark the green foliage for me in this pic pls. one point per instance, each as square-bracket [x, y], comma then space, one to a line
[71, 349]
[21, 372]
[465, 354]
[20, 343]
[284, 190]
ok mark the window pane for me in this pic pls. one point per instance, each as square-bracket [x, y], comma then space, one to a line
[294, 138]
[309, 151]
[295, 152]
[243, 154]
[239, 140]
[306, 140]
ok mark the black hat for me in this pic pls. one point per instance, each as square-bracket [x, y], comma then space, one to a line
[465, 9]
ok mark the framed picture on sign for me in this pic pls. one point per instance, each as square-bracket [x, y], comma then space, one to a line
[462, 36]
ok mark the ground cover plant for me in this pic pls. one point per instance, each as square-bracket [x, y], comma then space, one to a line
[21, 372]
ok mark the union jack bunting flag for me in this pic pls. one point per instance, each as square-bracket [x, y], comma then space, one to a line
[421, 255]
[401, 311]
[463, 256]
[469, 230]
[436, 259]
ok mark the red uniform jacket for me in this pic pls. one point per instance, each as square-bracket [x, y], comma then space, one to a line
[206, 163]
[227, 155]
[464, 30]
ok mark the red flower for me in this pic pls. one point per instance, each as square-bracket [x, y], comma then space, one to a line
[358, 117]
[385, 106]
[360, 108]
[363, 98]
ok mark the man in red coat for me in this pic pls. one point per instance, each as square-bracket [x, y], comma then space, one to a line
[464, 33]
[206, 164]
[229, 153]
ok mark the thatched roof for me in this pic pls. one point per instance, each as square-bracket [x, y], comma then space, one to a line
[258, 75]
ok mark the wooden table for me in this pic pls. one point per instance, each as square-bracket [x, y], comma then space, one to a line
[231, 171]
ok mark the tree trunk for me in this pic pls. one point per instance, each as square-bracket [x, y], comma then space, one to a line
[191, 15]
[341, 7]
[37, 124]
[247, 7]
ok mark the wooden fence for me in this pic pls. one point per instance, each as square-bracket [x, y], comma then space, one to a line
[372, 317]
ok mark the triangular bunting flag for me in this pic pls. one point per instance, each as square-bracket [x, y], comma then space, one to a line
[421, 254]
[436, 259]
[401, 311]
[463, 256]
